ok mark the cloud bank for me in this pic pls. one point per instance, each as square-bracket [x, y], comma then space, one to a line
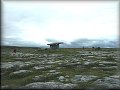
[79, 43]
[39, 23]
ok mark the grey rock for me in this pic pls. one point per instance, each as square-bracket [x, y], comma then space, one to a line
[48, 66]
[115, 76]
[15, 65]
[53, 74]
[38, 67]
[58, 68]
[49, 85]
[66, 76]
[50, 62]
[21, 73]
[51, 71]
[8, 65]
[101, 65]
[61, 78]
[108, 68]
[108, 82]
[39, 78]
[4, 87]
[86, 63]
[82, 78]
[108, 63]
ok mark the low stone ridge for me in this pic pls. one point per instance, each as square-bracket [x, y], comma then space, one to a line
[108, 63]
[82, 78]
[108, 68]
[49, 85]
[20, 73]
[51, 71]
[39, 68]
[87, 63]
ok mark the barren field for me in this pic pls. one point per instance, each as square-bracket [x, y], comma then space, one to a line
[65, 68]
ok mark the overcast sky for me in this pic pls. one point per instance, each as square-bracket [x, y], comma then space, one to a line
[40, 23]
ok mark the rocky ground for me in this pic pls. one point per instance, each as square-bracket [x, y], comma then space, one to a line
[60, 69]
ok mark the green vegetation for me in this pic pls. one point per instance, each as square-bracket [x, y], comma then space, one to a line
[67, 61]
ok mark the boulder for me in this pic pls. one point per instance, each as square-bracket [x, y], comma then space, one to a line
[61, 78]
[67, 76]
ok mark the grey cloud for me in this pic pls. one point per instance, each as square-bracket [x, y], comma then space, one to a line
[92, 43]
[52, 40]
[18, 42]
[104, 43]
[79, 43]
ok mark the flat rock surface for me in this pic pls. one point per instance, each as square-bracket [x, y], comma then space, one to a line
[108, 82]
[21, 73]
[16, 64]
[82, 78]
[49, 85]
